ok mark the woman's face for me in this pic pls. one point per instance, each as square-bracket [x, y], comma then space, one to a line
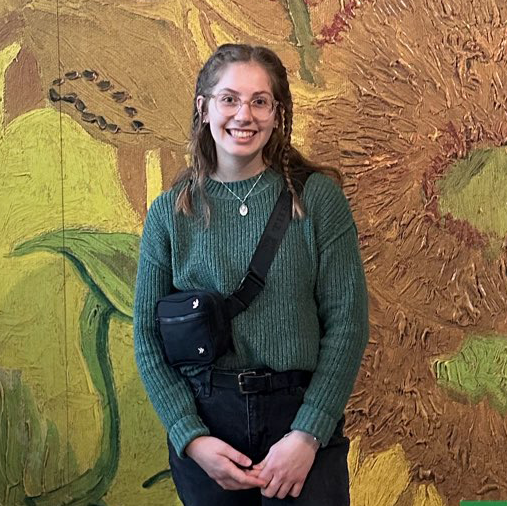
[240, 138]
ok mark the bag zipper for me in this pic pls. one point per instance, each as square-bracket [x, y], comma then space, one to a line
[178, 319]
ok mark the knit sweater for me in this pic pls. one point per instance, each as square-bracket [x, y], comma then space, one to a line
[312, 314]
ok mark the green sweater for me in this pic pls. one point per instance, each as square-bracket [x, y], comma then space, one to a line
[311, 315]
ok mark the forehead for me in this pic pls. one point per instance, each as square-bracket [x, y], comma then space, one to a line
[245, 78]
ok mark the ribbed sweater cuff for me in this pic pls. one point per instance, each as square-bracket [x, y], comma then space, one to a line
[315, 422]
[186, 430]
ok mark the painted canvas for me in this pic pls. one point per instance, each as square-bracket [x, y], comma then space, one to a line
[406, 97]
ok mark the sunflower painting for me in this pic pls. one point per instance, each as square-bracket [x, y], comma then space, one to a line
[407, 97]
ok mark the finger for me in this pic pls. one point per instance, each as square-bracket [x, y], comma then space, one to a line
[253, 472]
[284, 490]
[272, 489]
[296, 489]
[243, 478]
[260, 465]
[229, 484]
[236, 456]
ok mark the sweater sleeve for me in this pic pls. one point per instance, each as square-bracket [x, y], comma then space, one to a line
[342, 302]
[167, 389]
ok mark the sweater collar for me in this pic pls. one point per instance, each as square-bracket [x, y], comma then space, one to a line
[242, 187]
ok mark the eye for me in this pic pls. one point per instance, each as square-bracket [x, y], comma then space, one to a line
[228, 99]
[261, 102]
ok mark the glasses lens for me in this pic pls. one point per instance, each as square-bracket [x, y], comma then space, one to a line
[260, 107]
[227, 105]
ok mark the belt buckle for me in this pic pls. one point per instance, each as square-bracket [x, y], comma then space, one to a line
[244, 374]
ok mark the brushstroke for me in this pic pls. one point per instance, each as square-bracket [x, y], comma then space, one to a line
[477, 372]
[475, 189]
[7, 55]
[107, 264]
[304, 40]
[30, 449]
[106, 261]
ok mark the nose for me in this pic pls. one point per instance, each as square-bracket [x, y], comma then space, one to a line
[244, 113]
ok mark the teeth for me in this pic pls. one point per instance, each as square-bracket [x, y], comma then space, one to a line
[241, 133]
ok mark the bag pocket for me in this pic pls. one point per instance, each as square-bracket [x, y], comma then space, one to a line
[187, 339]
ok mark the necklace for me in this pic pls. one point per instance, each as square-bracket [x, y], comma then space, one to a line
[243, 208]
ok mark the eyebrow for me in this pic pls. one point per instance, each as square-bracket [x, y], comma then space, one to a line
[230, 90]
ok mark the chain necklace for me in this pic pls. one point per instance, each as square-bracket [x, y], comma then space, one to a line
[243, 208]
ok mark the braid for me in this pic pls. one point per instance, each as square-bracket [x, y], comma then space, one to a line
[277, 152]
[297, 208]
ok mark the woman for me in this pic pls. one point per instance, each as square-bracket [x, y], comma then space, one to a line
[305, 332]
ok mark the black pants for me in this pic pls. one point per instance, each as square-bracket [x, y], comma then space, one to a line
[252, 423]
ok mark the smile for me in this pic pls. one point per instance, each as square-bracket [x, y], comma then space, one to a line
[241, 134]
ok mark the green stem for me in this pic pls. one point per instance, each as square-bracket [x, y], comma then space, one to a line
[303, 38]
[91, 486]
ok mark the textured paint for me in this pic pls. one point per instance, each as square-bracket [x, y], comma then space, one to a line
[389, 468]
[383, 479]
[89, 487]
[475, 190]
[220, 35]
[7, 55]
[194, 27]
[107, 262]
[425, 91]
[407, 92]
[23, 87]
[153, 176]
[303, 37]
[30, 444]
[427, 495]
[478, 371]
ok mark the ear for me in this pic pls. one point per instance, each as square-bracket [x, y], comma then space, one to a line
[199, 104]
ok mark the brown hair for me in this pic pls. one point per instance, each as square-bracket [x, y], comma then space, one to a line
[278, 153]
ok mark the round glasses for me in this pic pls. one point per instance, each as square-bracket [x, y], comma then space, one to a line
[261, 107]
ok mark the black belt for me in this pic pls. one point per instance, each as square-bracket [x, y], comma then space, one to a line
[253, 382]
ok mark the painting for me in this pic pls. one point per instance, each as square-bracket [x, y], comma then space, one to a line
[406, 97]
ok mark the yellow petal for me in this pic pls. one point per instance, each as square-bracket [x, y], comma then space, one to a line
[153, 176]
[353, 457]
[381, 479]
[427, 495]
[7, 55]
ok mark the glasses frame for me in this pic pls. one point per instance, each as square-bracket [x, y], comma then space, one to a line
[241, 103]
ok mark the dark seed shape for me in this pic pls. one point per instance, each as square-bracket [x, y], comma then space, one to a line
[72, 75]
[54, 96]
[111, 127]
[70, 97]
[80, 105]
[120, 96]
[58, 82]
[89, 117]
[90, 75]
[131, 111]
[137, 125]
[101, 121]
[104, 85]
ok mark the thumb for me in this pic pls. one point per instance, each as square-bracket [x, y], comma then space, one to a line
[237, 457]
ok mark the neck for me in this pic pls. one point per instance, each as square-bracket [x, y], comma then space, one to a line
[236, 170]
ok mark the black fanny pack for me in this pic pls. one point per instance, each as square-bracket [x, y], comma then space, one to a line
[195, 325]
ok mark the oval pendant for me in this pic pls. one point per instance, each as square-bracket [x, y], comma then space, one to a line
[243, 210]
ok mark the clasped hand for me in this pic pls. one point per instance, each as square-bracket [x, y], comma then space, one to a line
[282, 472]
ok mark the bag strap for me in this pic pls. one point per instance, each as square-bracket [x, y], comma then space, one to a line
[254, 280]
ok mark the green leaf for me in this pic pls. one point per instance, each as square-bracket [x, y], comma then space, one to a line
[478, 371]
[30, 450]
[105, 261]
